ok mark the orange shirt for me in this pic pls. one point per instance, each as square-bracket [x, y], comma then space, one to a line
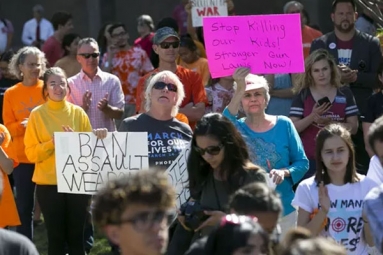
[308, 36]
[8, 210]
[129, 66]
[19, 101]
[200, 66]
[192, 81]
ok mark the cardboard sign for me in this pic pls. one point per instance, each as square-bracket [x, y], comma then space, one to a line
[84, 163]
[205, 8]
[266, 44]
[178, 176]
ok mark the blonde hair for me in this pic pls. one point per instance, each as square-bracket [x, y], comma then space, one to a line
[306, 80]
[165, 76]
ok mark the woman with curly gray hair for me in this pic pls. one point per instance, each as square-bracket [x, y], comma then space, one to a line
[28, 64]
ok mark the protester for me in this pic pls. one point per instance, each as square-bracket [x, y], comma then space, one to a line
[375, 141]
[218, 165]
[320, 100]
[103, 38]
[128, 64]
[136, 211]
[281, 93]
[69, 62]
[373, 205]
[145, 28]
[64, 214]
[334, 196]
[6, 35]
[97, 92]
[256, 200]
[358, 56]
[180, 15]
[27, 65]
[37, 30]
[237, 235]
[191, 60]
[219, 93]
[62, 24]
[12, 242]
[8, 160]
[166, 44]
[272, 141]
[167, 136]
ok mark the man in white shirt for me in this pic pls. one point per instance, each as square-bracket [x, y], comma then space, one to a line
[37, 30]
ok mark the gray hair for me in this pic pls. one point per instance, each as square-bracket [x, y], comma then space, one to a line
[165, 76]
[19, 59]
[88, 41]
[256, 79]
[291, 3]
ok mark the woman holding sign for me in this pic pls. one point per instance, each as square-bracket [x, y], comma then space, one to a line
[64, 214]
[273, 142]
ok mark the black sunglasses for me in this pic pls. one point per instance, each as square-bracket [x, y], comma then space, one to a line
[166, 45]
[146, 220]
[88, 55]
[212, 150]
[161, 85]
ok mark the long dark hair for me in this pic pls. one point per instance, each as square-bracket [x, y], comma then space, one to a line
[236, 157]
[234, 233]
[67, 41]
[324, 134]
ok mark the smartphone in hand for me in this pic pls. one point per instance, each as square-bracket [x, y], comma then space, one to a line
[324, 100]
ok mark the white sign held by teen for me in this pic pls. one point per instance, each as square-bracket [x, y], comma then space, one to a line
[178, 176]
[84, 163]
[206, 8]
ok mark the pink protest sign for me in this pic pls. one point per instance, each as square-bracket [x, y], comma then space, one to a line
[265, 43]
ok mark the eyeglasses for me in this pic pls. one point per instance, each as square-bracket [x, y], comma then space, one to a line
[161, 85]
[166, 45]
[88, 55]
[212, 150]
[146, 220]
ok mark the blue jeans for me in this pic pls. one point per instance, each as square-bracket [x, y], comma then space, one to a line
[25, 197]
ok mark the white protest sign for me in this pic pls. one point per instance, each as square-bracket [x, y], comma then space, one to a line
[178, 176]
[84, 163]
[204, 8]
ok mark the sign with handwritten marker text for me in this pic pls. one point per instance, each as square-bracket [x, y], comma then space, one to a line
[178, 177]
[266, 44]
[84, 164]
[204, 8]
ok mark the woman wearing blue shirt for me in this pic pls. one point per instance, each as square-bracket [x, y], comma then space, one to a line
[273, 142]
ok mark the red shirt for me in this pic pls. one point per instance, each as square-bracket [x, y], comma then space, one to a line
[145, 43]
[53, 50]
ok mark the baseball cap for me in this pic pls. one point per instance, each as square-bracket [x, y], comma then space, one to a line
[164, 33]
[255, 82]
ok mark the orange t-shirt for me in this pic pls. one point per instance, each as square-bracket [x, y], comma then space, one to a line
[8, 210]
[19, 101]
[200, 66]
[308, 36]
[192, 81]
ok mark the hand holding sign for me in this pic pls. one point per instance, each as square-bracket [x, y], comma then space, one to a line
[204, 8]
[239, 77]
[264, 43]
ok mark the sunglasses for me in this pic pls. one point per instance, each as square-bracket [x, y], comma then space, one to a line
[166, 45]
[212, 150]
[88, 55]
[146, 220]
[161, 85]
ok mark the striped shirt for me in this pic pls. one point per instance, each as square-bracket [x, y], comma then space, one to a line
[342, 107]
[103, 83]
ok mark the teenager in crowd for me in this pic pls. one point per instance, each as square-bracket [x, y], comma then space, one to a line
[218, 165]
[331, 202]
[321, 100]
[167, 136]
[136, 211]
[64, 214]
[27, 65]
[273, 142]
[219, 93]
[69, 62]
